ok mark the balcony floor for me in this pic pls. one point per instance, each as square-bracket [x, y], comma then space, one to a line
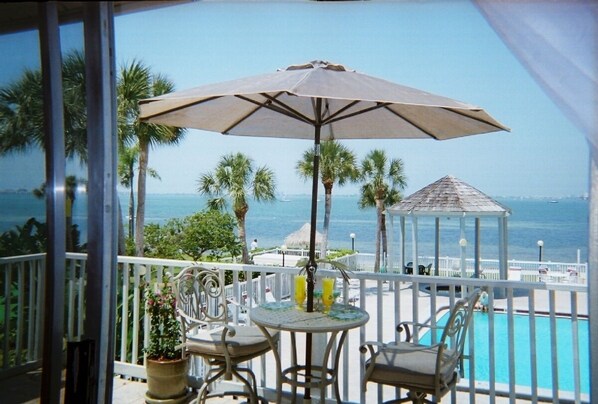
[25, 389]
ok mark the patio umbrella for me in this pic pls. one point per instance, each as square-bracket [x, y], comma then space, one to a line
[320, 101]
[301, 237]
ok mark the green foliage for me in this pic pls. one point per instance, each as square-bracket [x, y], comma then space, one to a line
[209, 231]
[334, 254]
[342, 268]
[31, 238]
[165, 333]
[127, 297]
[206, 235]
[162, 241]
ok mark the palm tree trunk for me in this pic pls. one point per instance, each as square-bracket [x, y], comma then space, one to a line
[384, 239]
[379, 207]
[241, 221]
[121, 231]
[327, 209]
[69, 224]
[131, 204]
[141, 183]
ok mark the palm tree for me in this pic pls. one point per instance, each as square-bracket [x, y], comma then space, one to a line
[127, 164]
[136, 82]
[71, 185]
[21, 110]
[337, 165]
[21, 116]
[236, 177]
[382, 180]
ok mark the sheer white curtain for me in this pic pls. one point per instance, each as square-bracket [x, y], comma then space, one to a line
[556, 41]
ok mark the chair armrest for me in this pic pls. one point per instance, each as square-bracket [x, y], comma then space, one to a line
[369, 346]
[408, 327]
[237, 304]
[228, 330]
[189, 322]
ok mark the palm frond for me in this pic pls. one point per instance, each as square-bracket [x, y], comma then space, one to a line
[342, 268]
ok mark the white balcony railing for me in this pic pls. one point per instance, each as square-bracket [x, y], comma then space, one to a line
[388, 297]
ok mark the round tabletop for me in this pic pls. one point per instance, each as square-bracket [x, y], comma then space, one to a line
[286, 317]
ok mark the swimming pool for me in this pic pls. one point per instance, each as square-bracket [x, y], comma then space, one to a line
[522, 351]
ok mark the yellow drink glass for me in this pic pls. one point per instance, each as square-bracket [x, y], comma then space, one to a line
[327, 293]
[300, 290]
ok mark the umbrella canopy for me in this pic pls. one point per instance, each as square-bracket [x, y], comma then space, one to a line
[320, 101]
[353, 106]
[301, 237]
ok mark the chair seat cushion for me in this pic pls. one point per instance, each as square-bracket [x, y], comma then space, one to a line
[411, 366]
[247, 342]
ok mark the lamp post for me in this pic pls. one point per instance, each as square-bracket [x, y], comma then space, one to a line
[540, 245]
[283, 249]
[352, 235]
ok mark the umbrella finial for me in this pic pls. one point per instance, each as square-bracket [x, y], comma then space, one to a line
[318, 64]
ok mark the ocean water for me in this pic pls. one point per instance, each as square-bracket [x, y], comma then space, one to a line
[562, 224]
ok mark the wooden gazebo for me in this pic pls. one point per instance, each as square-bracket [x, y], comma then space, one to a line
[450, 197]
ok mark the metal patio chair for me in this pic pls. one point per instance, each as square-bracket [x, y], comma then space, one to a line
[422, 369]
[207, 332]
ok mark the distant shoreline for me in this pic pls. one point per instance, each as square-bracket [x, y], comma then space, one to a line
[562, 226]
[334, 195]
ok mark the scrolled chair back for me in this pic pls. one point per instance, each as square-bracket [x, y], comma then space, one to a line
[200, 295]
[452, 342]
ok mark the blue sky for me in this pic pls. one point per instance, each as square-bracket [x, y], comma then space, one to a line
[443, 47]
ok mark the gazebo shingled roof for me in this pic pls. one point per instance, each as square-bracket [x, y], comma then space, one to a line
[449, 195]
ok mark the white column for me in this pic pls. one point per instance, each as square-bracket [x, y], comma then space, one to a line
[463, 245]
[414, 246]
[402, 235]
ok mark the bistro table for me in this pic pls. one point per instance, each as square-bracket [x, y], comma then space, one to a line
[284, 316]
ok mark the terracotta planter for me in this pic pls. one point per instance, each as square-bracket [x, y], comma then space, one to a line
[167, 381]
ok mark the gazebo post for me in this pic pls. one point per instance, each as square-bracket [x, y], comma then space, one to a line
[390, 263]
[414, 246]
[402, 232]
[476, 273]
[437, 247]
[502, 253]
[463, 244]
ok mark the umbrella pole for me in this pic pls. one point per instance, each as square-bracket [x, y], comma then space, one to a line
[311, 264]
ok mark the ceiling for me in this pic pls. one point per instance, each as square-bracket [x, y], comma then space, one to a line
[22, 16]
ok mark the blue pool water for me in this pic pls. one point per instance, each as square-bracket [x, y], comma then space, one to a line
[522, 351]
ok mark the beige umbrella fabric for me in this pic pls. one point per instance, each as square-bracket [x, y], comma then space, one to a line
[300, 238]
[354, 106]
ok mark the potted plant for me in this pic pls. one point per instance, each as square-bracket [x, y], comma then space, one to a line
[166, 368]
